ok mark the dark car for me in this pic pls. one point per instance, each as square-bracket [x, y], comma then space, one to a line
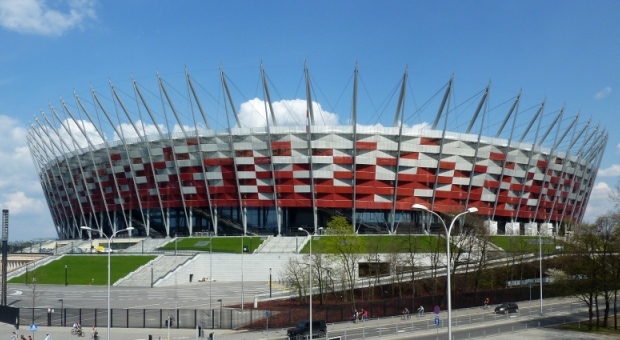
[302, 330]
[507, 307]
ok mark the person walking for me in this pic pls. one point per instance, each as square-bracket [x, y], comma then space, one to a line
[48, 337]
[487, 302]
[365, 316]
[13, 336]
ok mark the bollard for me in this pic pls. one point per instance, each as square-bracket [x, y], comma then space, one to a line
[513, 328]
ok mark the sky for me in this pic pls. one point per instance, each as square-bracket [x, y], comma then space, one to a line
[566, 52]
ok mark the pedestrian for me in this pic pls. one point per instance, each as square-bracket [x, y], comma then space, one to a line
[48, 337]
[29, 337]
[355, 314]
[487, 302]
[13, 336]
[361, 314]
[365, 316]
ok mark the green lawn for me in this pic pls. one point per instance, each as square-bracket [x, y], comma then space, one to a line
[224, 244]
[386, 243]
[83, 270]
[527, 244]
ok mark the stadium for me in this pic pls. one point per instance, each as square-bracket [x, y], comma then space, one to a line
[149, 159]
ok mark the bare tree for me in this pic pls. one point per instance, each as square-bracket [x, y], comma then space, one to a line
[296, 277]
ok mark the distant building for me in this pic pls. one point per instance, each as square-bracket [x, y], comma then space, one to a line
[274, 179]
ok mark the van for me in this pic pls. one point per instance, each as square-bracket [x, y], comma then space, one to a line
[302, 330]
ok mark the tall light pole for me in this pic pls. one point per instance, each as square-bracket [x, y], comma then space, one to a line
[109, 253]
[310, 267]
[540, 267]
[448, 230]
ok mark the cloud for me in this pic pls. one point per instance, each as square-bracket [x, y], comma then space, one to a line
[603, 93]
[612, 171]
[36, 16]
[287, 113]
[599, 202]
[20, 189]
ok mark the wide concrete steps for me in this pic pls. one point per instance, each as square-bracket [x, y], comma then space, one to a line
[156, 269]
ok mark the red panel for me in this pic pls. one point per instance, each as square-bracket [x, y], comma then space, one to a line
[497, 156]
[115, 156]
[542, 164]
[263, 174]
[480, 168]
[366, 145]
[343, 174]
[283, 174]
[429, 141]
[409, 155]
[447, 165]
[491, 184]
[386, 161]
[281, 145]
[343, 160]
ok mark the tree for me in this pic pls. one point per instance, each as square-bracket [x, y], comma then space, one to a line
[296, 276]
[344, 247]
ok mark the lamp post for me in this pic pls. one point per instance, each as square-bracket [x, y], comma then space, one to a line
[540, 268]
[66, 283]
[62, 307]
[310, 267]
[448, 230]
[109, 253]
[220, 301]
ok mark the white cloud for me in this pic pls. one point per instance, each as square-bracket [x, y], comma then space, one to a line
[599, 202]
[612, 171]
[37, 16]
[20, 189]
[603, 93]
[287, 113]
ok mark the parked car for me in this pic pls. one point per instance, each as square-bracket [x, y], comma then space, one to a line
[302, 330]
[507, 307]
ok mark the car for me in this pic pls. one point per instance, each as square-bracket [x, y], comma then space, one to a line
[507, 307]
[302, 330]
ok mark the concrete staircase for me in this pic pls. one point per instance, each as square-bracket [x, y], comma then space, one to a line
[148, 245]
[159, 267]
[278, 244]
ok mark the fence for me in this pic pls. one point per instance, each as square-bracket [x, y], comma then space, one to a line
[230, 318]
[142, 318]
[391, 307]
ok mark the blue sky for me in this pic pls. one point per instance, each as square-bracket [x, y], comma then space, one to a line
[566, 51]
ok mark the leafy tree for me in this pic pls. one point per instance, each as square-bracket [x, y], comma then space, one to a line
[345, 247]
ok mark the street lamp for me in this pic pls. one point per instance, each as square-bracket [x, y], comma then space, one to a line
[540, 268]
[109, 252]
[62, 307]
[220, 301]
[66, 275]
[448, 230]
[310, 267]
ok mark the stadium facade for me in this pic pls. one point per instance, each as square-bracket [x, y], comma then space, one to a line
[275, 179]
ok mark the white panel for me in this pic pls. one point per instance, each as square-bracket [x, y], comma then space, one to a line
[302, 188]
[246, 174]
[491, 227]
